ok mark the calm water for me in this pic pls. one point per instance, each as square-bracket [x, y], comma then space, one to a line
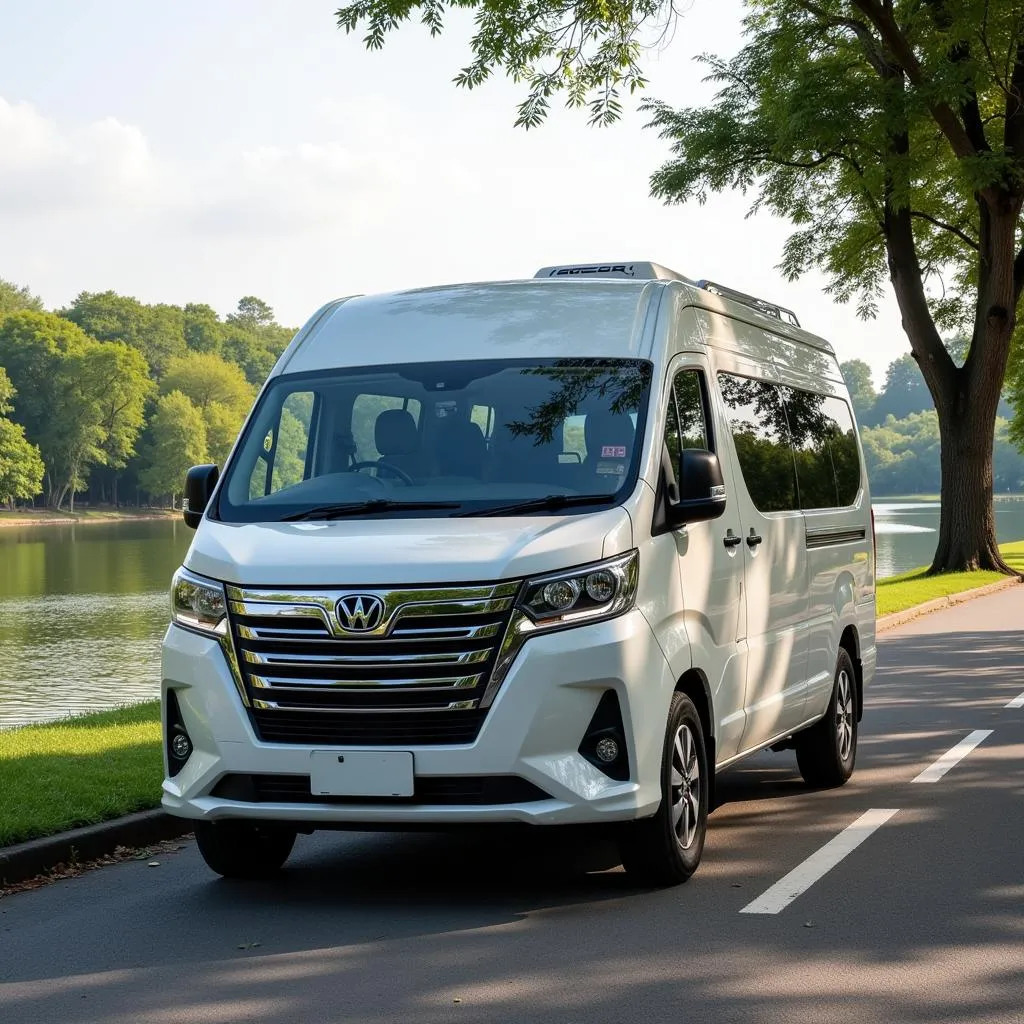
[83, 608]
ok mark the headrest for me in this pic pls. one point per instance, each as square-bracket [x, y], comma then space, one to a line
[395, 433]
[461, 448]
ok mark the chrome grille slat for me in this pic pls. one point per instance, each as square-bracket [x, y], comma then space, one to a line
[262, 682]
[279, 658]
[432, 651]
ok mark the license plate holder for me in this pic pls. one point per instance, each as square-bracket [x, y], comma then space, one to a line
[364, 773]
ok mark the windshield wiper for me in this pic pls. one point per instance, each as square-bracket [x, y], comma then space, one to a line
[552, 502]
[353, 508]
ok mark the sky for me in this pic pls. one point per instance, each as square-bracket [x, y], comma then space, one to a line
[200, 151]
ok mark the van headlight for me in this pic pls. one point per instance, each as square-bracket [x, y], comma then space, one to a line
[597, 591]
[575, 597]
[198, 604]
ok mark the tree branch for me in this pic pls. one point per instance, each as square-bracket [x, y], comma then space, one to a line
[1013, 130]
[962, 235]
[945, 117]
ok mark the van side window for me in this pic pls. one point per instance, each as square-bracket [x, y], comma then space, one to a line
[284, 457]
[810, 430]
[685, 423]
[845, 453]
[757, 418]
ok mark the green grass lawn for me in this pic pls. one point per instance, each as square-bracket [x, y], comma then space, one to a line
[64, 774]
[898, 593]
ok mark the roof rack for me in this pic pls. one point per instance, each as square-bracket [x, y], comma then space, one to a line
[761, 305]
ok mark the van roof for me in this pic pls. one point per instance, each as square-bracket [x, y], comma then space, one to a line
[514, 319]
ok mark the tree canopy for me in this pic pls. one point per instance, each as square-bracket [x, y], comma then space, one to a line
[890, 133]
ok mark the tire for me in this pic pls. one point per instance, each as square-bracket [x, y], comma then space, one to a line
[665, 850]
[827, 751]
[243, 849]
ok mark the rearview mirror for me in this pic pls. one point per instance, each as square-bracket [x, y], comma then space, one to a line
[199, 484]
[701, 488]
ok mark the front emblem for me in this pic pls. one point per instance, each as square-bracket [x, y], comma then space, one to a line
[360, 613]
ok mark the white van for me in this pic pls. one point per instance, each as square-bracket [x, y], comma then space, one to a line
[552, 551]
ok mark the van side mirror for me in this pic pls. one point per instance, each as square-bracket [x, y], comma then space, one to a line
[199, 484]
[701, 488]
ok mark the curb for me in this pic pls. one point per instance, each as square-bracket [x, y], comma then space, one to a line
[37, 856]
[887, 623]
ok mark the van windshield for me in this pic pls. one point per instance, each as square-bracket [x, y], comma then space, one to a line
[443, 438]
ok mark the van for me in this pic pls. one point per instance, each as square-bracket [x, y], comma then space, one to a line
[554, 551]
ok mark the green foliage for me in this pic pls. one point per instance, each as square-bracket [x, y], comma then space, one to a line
[14, 299]
[207, 379]
[21, 468]
[857, 374]
[156, 331]
[588, 51]
[177, 441]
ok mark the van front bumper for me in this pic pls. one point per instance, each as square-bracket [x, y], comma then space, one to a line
[532, 732]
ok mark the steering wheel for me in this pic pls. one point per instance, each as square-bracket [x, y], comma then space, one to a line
[388, 467]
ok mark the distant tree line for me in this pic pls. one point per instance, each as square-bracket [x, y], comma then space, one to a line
[113, 399]
[900, 429]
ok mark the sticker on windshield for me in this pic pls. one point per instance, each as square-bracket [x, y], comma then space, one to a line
[611, 468]
[613, 451]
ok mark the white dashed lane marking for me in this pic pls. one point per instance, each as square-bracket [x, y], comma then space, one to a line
[804, 875]
[1017, 702]
[952, 757]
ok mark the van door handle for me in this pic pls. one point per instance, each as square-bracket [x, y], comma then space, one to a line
[754, 539]
[730, 540]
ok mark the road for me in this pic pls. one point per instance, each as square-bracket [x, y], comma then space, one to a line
[923, 921]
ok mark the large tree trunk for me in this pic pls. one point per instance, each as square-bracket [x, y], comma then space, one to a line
[967, 522]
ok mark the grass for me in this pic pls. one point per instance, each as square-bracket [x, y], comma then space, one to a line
[79, 771]
[898, 593]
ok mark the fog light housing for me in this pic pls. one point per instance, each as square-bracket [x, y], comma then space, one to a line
[604, 742]
[181, 746]
[177, 742]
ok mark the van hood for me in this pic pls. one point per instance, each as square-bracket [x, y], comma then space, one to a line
[386, 552]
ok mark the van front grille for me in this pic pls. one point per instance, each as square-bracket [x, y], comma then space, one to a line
[385, 667]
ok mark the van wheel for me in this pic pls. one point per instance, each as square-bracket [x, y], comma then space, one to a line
[244, 849]
[666, 849]
[826, 752]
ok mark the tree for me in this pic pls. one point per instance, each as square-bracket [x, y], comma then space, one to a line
[202, 328]
[21, 468]
[177, 441]
[158, 332]
[78, 399]
[904, 393]
[206, 379]
[857, 374]
[14, 299]
[219, 391]
[252, 313]
[890, 132]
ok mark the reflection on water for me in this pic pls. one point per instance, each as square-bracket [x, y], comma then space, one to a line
[907, 532]
[83, 608]
[82, 612]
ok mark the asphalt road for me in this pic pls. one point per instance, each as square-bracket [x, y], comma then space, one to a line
[923, 921]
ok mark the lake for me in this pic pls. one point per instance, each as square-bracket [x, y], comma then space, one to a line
[83, 607]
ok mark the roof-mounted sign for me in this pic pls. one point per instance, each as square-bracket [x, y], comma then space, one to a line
[629, 270]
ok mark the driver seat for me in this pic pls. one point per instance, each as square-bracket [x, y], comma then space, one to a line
[398, 440]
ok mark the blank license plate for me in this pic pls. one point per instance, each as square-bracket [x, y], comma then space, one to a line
[361, 773]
